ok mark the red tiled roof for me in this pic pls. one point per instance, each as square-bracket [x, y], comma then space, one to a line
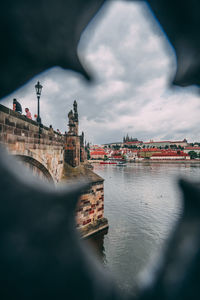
[192, 148]
[178, 141]
[116, 152]
[97, 149]
[97, 153]
[149, 150]
[134, 142]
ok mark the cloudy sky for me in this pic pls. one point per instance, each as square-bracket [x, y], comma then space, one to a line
[132, 63]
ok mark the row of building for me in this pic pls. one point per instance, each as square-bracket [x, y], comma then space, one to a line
[128, 142]
[137, 150]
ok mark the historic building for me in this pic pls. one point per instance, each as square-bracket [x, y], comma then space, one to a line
[129, 139]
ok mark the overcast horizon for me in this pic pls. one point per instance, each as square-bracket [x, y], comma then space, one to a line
[132, 63]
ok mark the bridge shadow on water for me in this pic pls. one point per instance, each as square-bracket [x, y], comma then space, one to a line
[96, 242]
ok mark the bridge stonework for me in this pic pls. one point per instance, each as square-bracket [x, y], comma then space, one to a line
[39, 147]
[56, 157]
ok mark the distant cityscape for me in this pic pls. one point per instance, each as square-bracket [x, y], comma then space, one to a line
[132, 150]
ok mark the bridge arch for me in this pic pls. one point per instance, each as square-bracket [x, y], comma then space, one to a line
[36, 167]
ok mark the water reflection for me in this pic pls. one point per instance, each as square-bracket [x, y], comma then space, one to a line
[97, 244]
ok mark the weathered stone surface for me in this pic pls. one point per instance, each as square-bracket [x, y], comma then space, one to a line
[46, 152]
[90, 210]
[40, 149]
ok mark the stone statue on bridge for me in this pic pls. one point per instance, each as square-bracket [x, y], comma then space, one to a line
[75, 111]
[73, 120]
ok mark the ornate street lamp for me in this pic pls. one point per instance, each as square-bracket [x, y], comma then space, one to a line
[38, 88]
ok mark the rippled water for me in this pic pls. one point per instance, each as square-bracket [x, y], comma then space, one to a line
[142, 202]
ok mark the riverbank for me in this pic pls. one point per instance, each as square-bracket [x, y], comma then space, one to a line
[189, 161]
[144, 161]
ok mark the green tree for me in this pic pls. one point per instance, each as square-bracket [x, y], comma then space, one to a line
[116, 147]
[193, 154]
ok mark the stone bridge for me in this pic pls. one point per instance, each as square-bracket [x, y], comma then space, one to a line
[39, 147]
[56, 157]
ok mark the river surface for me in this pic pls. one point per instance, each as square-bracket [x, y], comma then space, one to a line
[142, 203]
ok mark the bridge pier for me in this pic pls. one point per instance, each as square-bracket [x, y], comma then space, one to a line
[56, 158]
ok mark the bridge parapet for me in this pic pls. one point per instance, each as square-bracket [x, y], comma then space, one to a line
[24, 137]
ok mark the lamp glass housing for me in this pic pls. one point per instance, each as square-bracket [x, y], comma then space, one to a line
[38, 88]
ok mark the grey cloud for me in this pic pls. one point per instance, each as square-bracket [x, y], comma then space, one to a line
[132, 61]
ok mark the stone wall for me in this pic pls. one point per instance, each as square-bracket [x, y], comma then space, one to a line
[24, 137]
[72, 150]
[55, 157]
[90, 211]
[91, 205]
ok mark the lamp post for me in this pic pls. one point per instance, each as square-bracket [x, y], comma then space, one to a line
[38, 88]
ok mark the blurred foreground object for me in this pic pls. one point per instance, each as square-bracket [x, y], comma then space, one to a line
[181, 23]
[41, 256]
[38, 35]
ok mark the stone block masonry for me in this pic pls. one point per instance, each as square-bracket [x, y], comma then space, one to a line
[40, 148]
[90, 210]
[91, 206]
[72, 150]
[56, 157]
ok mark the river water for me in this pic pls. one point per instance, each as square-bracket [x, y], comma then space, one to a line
[142, 203]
